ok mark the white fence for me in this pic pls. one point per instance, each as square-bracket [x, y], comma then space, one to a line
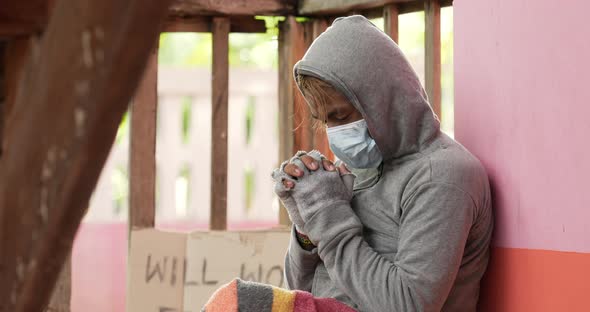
[183, 154]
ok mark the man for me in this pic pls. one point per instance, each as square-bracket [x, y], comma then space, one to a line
[413, 233]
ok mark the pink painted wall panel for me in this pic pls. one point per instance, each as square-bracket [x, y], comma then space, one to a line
[522, 105]
[99, 261]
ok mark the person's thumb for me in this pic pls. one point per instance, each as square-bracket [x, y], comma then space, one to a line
[347, 176]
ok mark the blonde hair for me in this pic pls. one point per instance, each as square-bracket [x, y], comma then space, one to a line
[317, 94]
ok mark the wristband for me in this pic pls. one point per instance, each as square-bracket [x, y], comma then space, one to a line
[304, 241]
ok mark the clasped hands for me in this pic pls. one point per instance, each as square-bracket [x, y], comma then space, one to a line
[308, 183]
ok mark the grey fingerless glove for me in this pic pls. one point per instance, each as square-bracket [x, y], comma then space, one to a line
[321, 189]
[283, 192]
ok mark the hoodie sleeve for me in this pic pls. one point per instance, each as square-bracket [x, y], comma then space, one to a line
[435, 222]
[300, 265]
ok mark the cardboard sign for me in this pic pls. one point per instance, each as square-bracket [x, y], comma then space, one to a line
[178, 272]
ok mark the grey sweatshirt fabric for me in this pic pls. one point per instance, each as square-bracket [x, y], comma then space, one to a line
[416, 239]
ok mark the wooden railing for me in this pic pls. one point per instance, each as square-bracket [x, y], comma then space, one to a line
[28, 290]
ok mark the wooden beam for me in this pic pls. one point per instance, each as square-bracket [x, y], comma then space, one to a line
[142, 152]
[219, 130]
[232, 7]
[75, 87]
[340, 7]
[2, 91]
[391, 21]
[62, 293]
[374, 9]
[238, 24]
[15, 53]
[418, 5]
[432, 62]
[192, 24]
[19, 18]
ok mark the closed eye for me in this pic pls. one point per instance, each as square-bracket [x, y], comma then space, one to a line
[335, 116]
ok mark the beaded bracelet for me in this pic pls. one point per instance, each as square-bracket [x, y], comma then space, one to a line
[304, 241]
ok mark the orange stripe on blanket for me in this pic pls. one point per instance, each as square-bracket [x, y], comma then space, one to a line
[224, 299]
[283, 300]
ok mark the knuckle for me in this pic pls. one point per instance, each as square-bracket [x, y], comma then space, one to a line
[306, 159]
[288, 168]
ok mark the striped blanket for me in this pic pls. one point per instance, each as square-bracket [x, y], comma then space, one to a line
[243, 296]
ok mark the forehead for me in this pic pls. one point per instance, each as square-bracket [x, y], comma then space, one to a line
[337, 102]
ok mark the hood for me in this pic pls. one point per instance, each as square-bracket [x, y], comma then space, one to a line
[368, 67]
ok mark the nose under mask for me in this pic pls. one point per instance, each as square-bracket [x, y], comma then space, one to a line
[353, 144]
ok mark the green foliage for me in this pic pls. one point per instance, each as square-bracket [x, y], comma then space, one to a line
[120, 183]
[260, 50]
[186, 112]
[123, 130]
[249, 188]
[250, 111]
[245, 50]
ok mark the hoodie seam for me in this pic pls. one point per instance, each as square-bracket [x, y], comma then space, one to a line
[452, 185]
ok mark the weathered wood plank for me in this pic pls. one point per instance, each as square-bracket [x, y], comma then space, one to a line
[62, 293]
[189, 24]
[285, 107]
[14, 55]
[238, 24]
[301, 36]
[232, 7]
[142, 152]
[375, 10]
[319, 26]
[2, 91]
[340, 7]
[219, 130]
[418, 5]
[19, 18]
[432, 62]
[391, 21]
[320, 139]
[295, 132]
[75, 87]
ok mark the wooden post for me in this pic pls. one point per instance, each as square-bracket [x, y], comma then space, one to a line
[219, 130]
[2, 91]
[391, 21]
[15, 53]
[299, 43]
[432, 54]
[294, 127]
[286, 138]
[319, 26]
[75, 86]
[142, 152]
[320, 138]
[61, 296]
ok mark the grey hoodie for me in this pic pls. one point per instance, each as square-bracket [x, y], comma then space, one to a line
[417, 237]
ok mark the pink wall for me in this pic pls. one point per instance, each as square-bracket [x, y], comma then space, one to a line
[522, 91]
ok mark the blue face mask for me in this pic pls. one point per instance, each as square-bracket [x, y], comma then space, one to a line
[353, 144]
